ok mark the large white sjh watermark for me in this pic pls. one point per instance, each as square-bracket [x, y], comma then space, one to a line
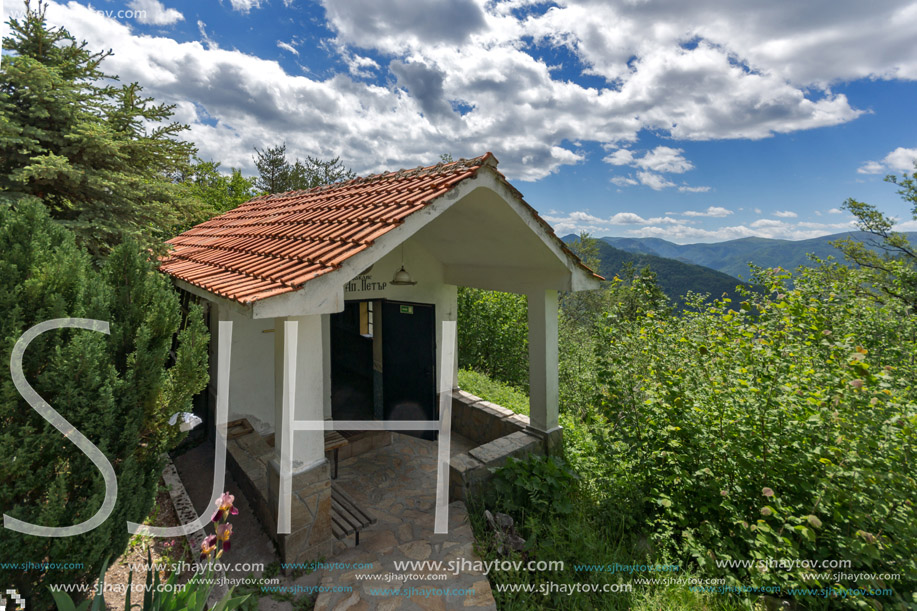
[287, 440]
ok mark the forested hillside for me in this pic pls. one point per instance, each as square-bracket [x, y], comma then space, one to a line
[733, 256]
[675, 278]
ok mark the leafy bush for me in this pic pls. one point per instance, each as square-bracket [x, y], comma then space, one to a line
[493, 335]
[534, 486]
[116, 389]
[593, 532]
[779, 428]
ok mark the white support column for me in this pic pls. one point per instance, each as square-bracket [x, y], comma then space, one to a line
[310, 390]
[304, 398]
[299, 486]
[281, 435]
[326, 365]
[543, 395]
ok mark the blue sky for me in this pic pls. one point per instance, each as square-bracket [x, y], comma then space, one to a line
[699, 121]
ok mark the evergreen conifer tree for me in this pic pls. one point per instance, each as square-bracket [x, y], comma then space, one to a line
[101, 157]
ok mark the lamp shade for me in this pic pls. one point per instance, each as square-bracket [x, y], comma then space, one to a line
[402, 278]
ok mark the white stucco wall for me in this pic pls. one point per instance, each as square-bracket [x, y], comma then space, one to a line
[251, 382]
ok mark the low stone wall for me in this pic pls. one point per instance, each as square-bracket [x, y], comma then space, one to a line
[501, 434]
[482, 421]
[246, 460]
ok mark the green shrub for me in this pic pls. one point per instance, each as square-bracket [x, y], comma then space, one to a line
[534, 486]
[780, 428]
[116, 389]
[597, 531]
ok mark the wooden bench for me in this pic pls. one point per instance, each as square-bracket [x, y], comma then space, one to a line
[334, 441]
[346, 516]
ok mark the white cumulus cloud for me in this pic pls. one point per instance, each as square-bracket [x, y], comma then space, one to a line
[652, 164]
[899, 160]
[871, 167]
[654, 181]
[467, 76]
[762, 228]
[712, 211]
[624, 181]
[244, 6]
[152, 12]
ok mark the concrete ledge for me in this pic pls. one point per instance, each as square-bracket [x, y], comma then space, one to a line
[495, 453]
[469, 472]
[500, 433]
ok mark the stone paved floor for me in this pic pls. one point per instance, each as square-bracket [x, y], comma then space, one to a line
[397, 484]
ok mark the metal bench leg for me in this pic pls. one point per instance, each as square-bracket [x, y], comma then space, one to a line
[334, 474]
[357, 541]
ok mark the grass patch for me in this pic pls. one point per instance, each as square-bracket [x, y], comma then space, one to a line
[480, 385]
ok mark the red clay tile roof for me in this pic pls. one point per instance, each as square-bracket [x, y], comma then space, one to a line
[276, 243]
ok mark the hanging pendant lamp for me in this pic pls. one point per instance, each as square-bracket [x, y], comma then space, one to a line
[402, 277]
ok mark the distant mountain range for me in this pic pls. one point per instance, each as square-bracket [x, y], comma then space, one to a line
[712, 268]
[675, 277]
[733, 256]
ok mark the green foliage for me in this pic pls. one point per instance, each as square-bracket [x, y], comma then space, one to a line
[890, 258]
[216, 192]
[116, 389]
[534, 486]
[585, 308]
[100, 157]
[635, 294]
[493, 335]
[480, 385]
[64, 602]
[193, 596]
[277, 175]
[782, 427]
[587, 531]
[579, 351]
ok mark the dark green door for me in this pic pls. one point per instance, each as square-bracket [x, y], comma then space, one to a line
[408, 358]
